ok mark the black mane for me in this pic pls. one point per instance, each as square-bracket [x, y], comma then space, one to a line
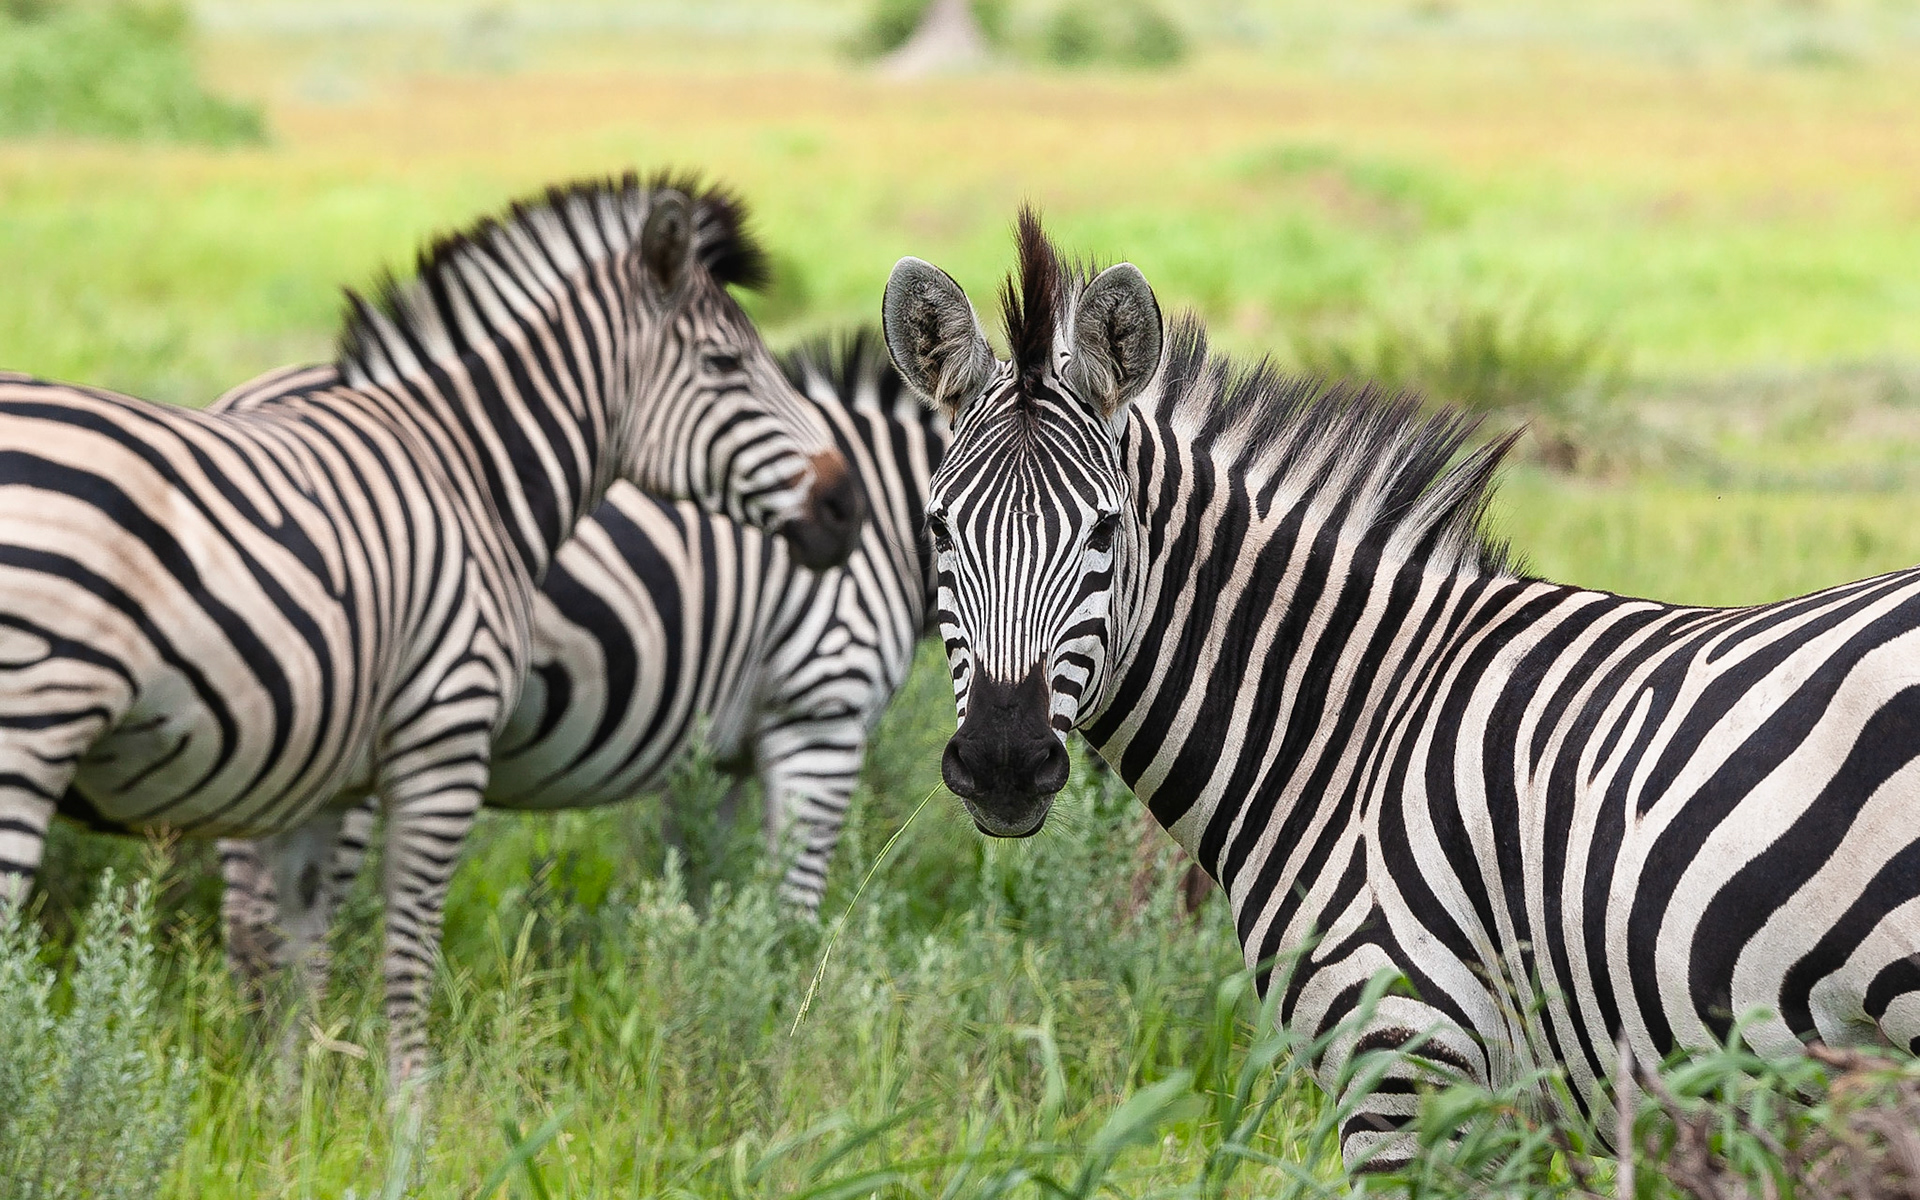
[1302, 439]
[1032, 310]
[844, 361]
[577, 219]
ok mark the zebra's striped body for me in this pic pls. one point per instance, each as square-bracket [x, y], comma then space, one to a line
[232, 623]
[1565, 817]
[660, 623]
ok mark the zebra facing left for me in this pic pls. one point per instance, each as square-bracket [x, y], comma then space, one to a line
[660, 625]
[241, 623]
[1563, 818]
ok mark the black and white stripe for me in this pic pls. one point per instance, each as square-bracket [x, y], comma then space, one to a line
[1565, 817]
[660, 624]
[243, 622]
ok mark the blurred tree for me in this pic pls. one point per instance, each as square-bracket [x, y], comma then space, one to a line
[948, 37]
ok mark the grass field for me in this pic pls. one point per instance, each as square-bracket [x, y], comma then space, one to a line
[1727, 194]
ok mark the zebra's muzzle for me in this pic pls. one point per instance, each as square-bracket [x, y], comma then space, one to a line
[1006, 762]
[830, 528]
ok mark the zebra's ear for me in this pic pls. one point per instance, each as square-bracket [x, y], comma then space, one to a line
[1117, 339]
[934, 336]
[666, 241]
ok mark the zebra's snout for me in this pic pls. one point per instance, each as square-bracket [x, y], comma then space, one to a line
[830, 530]
[1006, 762]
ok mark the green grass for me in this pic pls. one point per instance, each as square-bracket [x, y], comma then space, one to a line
[1724, 196]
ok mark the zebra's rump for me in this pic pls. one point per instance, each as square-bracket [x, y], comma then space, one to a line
[168, 620]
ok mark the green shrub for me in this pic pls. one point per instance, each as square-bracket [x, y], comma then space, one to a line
[1510, 367]
[110, 68]
[1131, 32]
[890, 23]
[90, 1105]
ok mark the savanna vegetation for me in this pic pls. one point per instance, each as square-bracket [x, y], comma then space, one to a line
[1679, 239]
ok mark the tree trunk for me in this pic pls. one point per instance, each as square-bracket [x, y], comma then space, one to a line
[948, 38]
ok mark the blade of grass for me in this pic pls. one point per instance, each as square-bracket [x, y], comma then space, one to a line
[826, 951]
[520, 1153]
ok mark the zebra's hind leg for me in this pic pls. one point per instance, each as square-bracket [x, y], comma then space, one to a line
[249, 915]
[250, 903]
[298, 863]
[808, 771]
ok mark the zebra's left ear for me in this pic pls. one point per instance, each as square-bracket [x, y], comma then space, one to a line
[934, 336]
[1117, 339]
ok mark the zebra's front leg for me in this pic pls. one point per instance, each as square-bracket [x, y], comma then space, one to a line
[807, 775]
[24, 817]
[1380, 1057]
[429, 815]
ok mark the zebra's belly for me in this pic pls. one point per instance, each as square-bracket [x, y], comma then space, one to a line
[178, 761]
[571, 761]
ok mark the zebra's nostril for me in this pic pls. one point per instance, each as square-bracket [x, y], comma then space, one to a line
[838, 504]
[954, 772]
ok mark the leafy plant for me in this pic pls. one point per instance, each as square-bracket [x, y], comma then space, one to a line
[889, 23]
[110, 68]
[91, 1105]
[1131, 32]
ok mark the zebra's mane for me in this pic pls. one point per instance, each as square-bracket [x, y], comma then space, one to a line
[847, 362]
[1356, 449]
[1293, 439]
[542, 242]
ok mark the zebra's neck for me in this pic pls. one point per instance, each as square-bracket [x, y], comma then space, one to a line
[511, 354]
[1260, 649]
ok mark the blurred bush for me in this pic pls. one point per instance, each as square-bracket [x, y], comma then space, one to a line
[1072, 33]
[1511, 367]
[110, 68]
[890, 23]
[1128, 32]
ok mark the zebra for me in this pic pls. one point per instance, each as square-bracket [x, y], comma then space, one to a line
[240, 623]
[658, 617]
[1273, 605]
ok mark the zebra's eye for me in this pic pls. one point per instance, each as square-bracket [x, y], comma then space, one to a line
[723, 364]
[1100, 537]
[937, 530]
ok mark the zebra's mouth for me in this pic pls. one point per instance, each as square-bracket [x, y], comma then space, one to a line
[1012, 827]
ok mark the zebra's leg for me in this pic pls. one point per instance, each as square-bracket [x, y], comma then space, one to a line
[1380, 1055]
[428, 819]
[24, 817]
[250, 903]
[350, 851]
[249, 914]
[807, 774]
[298, 861]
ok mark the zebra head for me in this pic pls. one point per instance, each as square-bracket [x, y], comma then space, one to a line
[722, 424]
[1032, 519]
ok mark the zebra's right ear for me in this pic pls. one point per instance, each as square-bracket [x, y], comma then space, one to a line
[1117, 339]
[934, 336]
[666, 241]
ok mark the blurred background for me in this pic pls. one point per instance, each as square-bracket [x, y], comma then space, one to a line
[1679, 238]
